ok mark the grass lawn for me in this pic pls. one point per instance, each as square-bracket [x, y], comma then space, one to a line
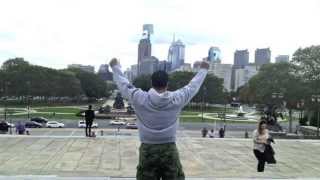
[58, 109]
[48, 116]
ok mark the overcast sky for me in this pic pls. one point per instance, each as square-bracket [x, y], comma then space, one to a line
[55, 33]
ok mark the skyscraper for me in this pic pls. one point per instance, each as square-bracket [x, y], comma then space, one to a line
[214, 55]
[149, 65]
[144, 47]
[241, 58]
[282, 58]
[176, 54]
[262, 56]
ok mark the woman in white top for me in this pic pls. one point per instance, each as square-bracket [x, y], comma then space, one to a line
[260, 138]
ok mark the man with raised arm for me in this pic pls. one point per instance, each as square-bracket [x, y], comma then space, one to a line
[158, 113]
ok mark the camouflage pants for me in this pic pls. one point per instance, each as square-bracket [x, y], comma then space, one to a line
[159, 161]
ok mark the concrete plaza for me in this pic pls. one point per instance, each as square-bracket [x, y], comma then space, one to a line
[72, 157]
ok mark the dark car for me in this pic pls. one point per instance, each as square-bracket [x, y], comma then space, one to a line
[32, 124]
[40, 120]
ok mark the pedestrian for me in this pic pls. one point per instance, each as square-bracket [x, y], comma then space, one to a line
[89, 117]
[204, 132]
[157, 119]
[221, 132]
[246, 134]
[20, 128]
[211, 133]
[260, 138]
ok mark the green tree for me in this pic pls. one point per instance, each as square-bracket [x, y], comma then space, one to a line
[91, 84]
[308, 68]
[277, 78]
[213, 85]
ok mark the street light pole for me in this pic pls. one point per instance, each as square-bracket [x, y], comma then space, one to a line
[202, 104]
[278, 96]
[316, 99]
[28, 99]
[5, 105]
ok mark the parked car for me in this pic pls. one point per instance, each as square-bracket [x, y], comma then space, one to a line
[32, 124]
[117, 122]
[54, 124]
[131, 125]
[82, 124]
[40, 120]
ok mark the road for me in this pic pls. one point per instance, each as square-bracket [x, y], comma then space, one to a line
[104, 123]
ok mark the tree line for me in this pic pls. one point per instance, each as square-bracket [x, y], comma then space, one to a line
[211, 91]
[297, 81]
[20, 79]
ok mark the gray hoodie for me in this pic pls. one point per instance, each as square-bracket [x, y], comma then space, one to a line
[157, 113]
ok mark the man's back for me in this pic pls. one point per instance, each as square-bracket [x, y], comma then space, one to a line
[158, 112]
[89, 115]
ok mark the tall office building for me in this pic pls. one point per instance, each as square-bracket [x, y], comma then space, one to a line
[149, 65]
[164, 66]
[262, 56]
[176, 54]
[241, 58]
[222, 71]
[282, 58]
[214, 55]
[243, 75]
[144, 47]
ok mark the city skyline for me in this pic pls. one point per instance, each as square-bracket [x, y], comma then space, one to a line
[58, 33]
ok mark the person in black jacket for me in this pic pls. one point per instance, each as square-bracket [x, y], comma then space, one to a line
[89, 116]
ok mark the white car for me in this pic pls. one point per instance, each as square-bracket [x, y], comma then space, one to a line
[82, 124]
[117, 122]
[11, 125]
[54, 124]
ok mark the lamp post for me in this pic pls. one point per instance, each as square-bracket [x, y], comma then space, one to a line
[278, 96]
[300, 106]
[28, 99]
[225, 111]
[5, 93]
[316, 100]
[202, 104]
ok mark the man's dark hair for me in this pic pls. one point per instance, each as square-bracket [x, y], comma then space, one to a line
[159, 79]
[90, 106]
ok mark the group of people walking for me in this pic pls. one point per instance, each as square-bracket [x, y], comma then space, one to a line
[211, 133]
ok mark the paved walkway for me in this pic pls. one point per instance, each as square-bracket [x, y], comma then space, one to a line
[67, 158]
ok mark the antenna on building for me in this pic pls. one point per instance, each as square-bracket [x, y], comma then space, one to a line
[174, 37]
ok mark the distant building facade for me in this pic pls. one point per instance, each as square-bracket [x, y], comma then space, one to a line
[243, 75]
[282, 58]
[164, 66]
[104, 72]
[241, 58]
[262, 56]
[185, 67]
[222, 71]
[176, 54]
[86, 68]
[214, 54]
[149, 66]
